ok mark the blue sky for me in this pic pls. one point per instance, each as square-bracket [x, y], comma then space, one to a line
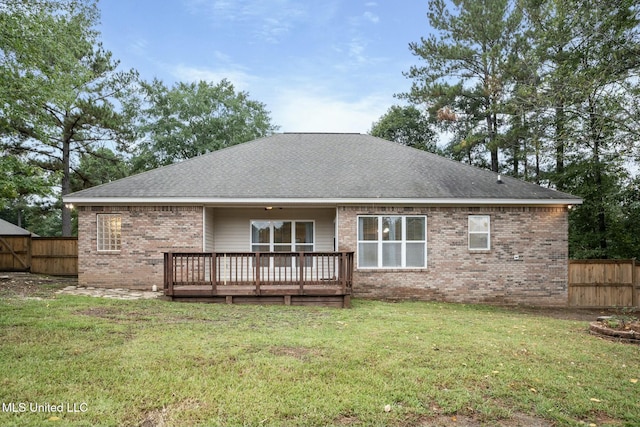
[317, 65]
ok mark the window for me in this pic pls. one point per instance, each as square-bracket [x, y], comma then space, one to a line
[392, 241]
[282, 236]
[479, 233]
[109, 232]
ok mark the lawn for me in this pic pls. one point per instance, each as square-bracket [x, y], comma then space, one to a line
[157, 363]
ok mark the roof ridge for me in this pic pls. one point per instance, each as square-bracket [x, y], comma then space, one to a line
[323, 133]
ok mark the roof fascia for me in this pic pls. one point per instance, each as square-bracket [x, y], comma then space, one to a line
[102, 201]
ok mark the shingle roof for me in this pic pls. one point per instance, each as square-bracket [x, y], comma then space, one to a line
[9, 229]
[318, 167]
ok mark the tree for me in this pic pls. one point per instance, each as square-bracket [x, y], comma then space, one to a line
[552, 86]
[190, 119]
[20, 184]
[59, 99]
[589, 56]
[463, 79]
[100, 167]
[406, 125]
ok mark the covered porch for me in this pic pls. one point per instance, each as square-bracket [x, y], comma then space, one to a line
[289, 278]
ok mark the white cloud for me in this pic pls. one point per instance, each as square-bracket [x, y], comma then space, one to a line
[371, 17]
[301, 110]
[139, 46]
[240, 79]
[268, 20]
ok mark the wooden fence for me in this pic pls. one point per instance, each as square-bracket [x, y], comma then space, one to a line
[604, 283]
[57, 256]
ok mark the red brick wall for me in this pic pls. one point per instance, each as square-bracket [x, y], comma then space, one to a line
[147, 232]
[537, 235]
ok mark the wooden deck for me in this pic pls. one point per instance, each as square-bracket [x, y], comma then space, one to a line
[289, 278]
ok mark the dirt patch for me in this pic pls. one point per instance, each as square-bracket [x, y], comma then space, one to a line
[517, 420]
[168, 414]
[27, 285]
[567, 313]
[300, 353]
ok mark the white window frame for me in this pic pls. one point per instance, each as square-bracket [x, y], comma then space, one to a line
[111, 224]
[403, 241]
[293, 234]
[487, 232]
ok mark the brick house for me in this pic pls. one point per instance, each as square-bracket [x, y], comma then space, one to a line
[416, 225]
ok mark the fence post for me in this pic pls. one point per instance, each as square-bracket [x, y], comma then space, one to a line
[634, 284]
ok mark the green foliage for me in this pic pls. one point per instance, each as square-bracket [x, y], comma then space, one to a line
[58, 98]
[20, 181]
[406, 125]
[190, 119]
[551, 86]
[99, 167]
[463, 75]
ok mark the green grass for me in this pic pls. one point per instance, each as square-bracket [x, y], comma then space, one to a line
[154, 362]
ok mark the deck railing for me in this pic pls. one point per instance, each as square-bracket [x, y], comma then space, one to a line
[286, 273]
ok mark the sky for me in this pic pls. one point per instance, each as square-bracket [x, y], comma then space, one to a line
[317, 65]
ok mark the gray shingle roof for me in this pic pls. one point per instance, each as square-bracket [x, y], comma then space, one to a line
[320, 167]
[9, 229]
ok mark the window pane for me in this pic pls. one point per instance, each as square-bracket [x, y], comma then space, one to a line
[479, 241]
[304, 248]
[368, 255]
[304, 232]
[392, 254]
[478, 223]
[260, 232]
[392, 228]
[109, 227]
[415, 228]
[415, 255]
[281, 232]
[368, 228]
[260, 248]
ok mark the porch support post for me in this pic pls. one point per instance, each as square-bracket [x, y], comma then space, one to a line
[168, 273]
[301, 257]
[256, 276]
[214, 273]
[343, 271]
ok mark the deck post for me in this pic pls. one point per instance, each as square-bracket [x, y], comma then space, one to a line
[343, 271]
[256, 275]
[301, 257]
[214, 273]
[169, 279]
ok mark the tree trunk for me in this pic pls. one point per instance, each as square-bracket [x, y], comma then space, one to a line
[66, 181]
[560, 121]
[600, 191]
